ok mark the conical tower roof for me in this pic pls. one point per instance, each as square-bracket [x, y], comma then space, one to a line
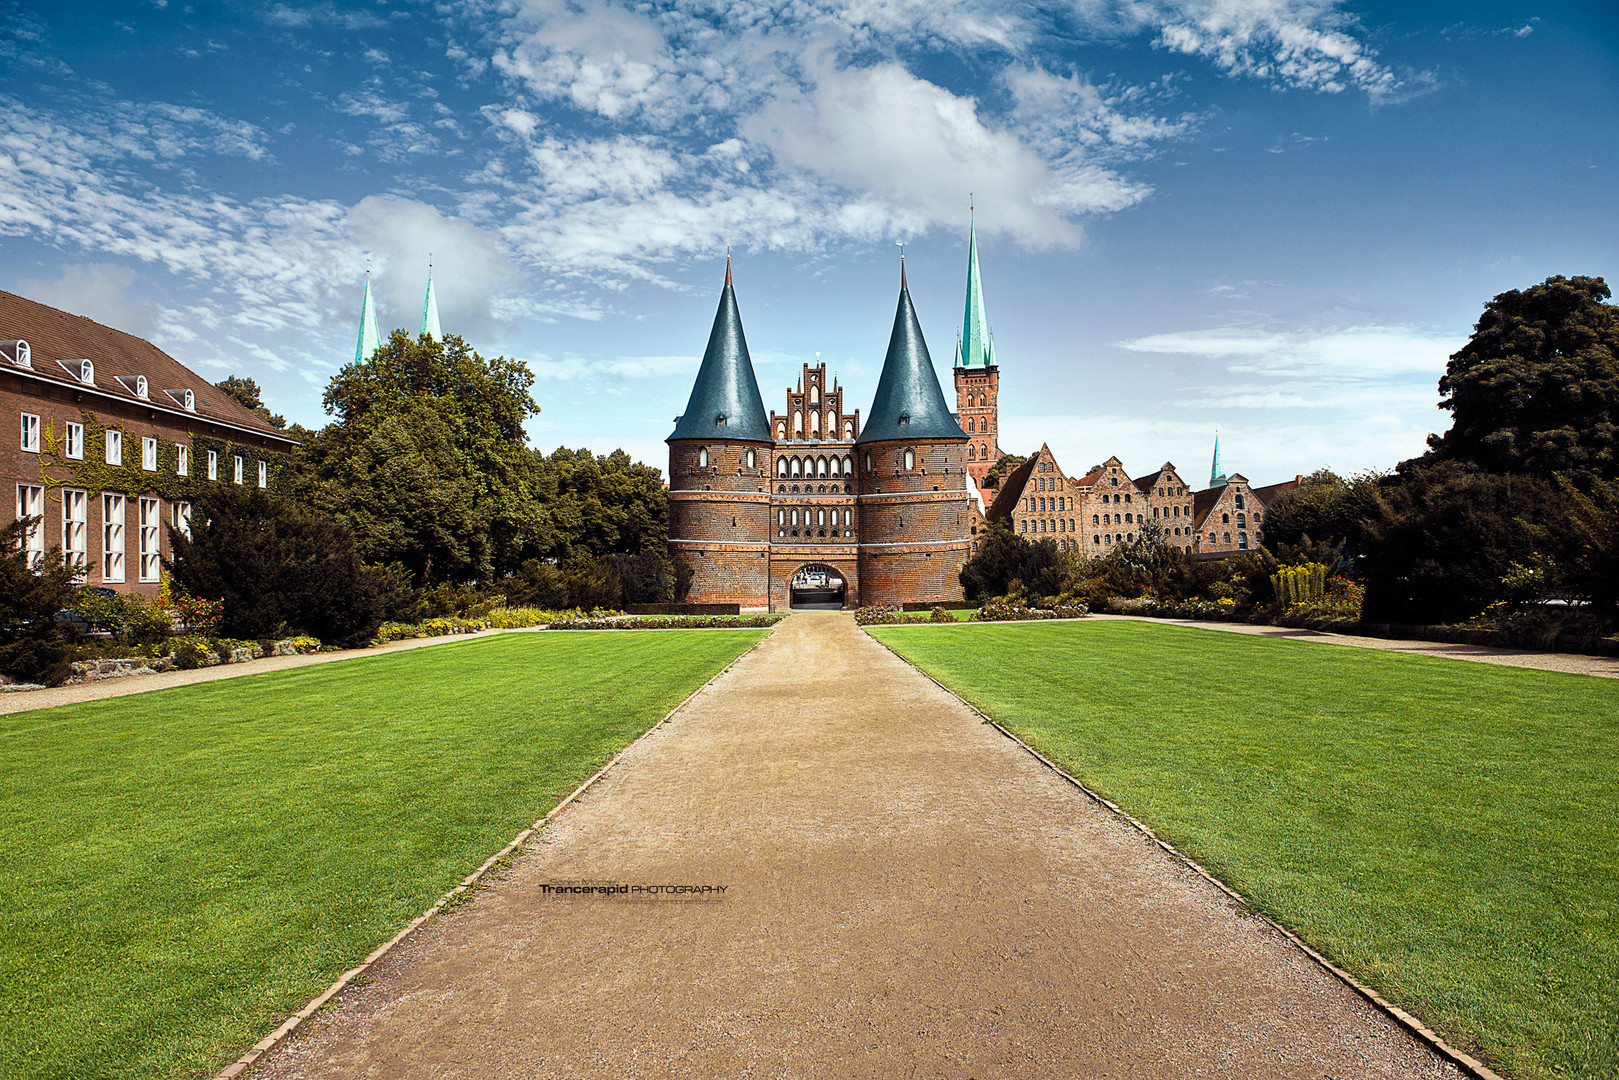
[725, 402]
[369, 338]
[430, 323]
[909, 403]
[1216, 470]
[977, 348]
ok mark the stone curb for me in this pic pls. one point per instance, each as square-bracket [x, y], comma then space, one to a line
[288, 1026]
[1465, 1062]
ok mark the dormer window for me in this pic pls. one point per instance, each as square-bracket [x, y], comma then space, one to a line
[87, 372]
[135, 385]
[904, 419]
[17, 352]
[719, 421]
[186, 399]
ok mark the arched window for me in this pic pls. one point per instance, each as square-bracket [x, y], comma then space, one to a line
[820, 517]
[848, 466]
[781, 466]
[1129, 520]
[982, 401]
[1227, 538]
[815, 424]
[848, 516]
[1070, 524]
[972, 454]
[781, 430]
[797, 470]
[848, 429]
[1239, 502]
[1095, 520]
[1096, 539]
[702, 458]
[795, 515]
[983, 452]
[831, 425]
[820, 466]
[781, 517]
[910, 459]
[868, 460]
[970, 428]
[1242, 521]
[815, 394]
[798, 424]
[1225, 519]
[1023, 525]
[752, 460]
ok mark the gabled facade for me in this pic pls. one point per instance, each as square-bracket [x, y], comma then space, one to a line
[111, 440]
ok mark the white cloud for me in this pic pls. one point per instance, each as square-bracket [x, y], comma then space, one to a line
[1353, 354]
[98, 291]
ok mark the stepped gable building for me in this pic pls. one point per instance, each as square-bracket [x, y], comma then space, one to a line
[809, 502]
[111, 440]
[977, 376]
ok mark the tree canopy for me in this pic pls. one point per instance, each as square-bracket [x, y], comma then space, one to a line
[1536, 389]
[246, 391]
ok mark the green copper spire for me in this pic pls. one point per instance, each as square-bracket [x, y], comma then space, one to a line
[369, 338]
[1216, 471]
[977, 348]
[430, 326]
[725, 402]
[908, 403]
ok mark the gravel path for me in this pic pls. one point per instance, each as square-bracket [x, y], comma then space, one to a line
[1573, 663]
[907, 893]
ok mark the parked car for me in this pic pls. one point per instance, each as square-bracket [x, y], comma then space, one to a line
[79, 622]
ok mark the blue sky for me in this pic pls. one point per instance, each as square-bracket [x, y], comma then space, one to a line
[1272, 217]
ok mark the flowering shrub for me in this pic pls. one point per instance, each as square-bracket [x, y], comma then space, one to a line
[195, 614]
[890, 614]
[667, 622]
[995, 611]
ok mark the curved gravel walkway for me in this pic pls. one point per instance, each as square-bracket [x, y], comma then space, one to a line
[1574, 663]
[907, 893]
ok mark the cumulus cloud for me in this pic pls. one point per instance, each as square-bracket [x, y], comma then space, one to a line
[99, 291]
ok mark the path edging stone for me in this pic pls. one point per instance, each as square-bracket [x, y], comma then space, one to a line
[1466, 1062]
[291, 1023]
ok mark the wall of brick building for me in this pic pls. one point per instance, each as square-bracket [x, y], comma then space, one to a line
[785, 563]
[52, 470]
[719, 519]
[982, 420]
[913, 522]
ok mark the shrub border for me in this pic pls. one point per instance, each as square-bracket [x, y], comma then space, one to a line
[1424, 1034]
[449, 899]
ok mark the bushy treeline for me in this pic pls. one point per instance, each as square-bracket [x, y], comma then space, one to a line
[1511, 514]
[423, 500]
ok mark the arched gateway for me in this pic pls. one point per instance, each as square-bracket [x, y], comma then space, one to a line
[818, 587]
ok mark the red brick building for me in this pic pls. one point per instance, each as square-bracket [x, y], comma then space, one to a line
[808, 504]
[111, 440]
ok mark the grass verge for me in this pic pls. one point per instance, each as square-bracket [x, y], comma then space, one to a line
[184, 868]
[1447, 831]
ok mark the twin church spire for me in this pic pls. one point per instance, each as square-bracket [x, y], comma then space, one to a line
[370, 340]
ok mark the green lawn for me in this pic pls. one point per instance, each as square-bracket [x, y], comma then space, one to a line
[182, 869]
[1448, 831]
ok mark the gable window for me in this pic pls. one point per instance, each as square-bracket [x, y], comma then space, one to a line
[30, 433]
[238, 472]
[149, 453]
[213, 465]
[74, 445]
[150, 519]
[182, 461]
[115, 455]
[31, 503]
[75, 522]
[112, 538]
[264, 474]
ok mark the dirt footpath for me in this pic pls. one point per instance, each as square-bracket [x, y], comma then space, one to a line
[907, 894]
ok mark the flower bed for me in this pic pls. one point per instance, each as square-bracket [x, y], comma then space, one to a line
[668, 622]
[997, 612]
[890, 614]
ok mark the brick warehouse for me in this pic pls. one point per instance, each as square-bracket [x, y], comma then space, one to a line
[763, 507]
[111, 439]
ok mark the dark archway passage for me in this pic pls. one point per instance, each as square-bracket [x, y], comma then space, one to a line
[818, 588]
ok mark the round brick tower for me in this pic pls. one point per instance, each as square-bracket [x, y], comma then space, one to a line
[719, 461]
[910, 463]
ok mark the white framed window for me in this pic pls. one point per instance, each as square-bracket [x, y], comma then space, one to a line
[238, 476]
[182, 460]
[264, 474]
[31, 503]
[702, 461]
[151, 521]
[115, 449]
[112, 538]
[213, 464]
[148, 453]
[75, 523]
[74, 446]
[752, 461]
[30, 433]
[910, 460]
[182, 519]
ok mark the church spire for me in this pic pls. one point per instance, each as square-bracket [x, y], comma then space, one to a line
[430, 324]
[725, 402]
[1216, 471]
[977, 348]
[369, 338]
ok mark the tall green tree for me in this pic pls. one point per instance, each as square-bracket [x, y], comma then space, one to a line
[34, 646]
[246, 391]
[426, 461]
[1536, 389]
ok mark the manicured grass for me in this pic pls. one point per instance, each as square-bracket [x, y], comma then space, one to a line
[182, 869]
[1448, 831]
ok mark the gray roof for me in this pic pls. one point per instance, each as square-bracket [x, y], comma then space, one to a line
[725, 386]
[908, 387]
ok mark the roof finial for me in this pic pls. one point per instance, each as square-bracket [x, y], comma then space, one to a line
[727, 265]
[972, 208]
[901, 244]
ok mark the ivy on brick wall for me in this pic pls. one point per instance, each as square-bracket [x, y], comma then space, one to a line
[57, 470]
